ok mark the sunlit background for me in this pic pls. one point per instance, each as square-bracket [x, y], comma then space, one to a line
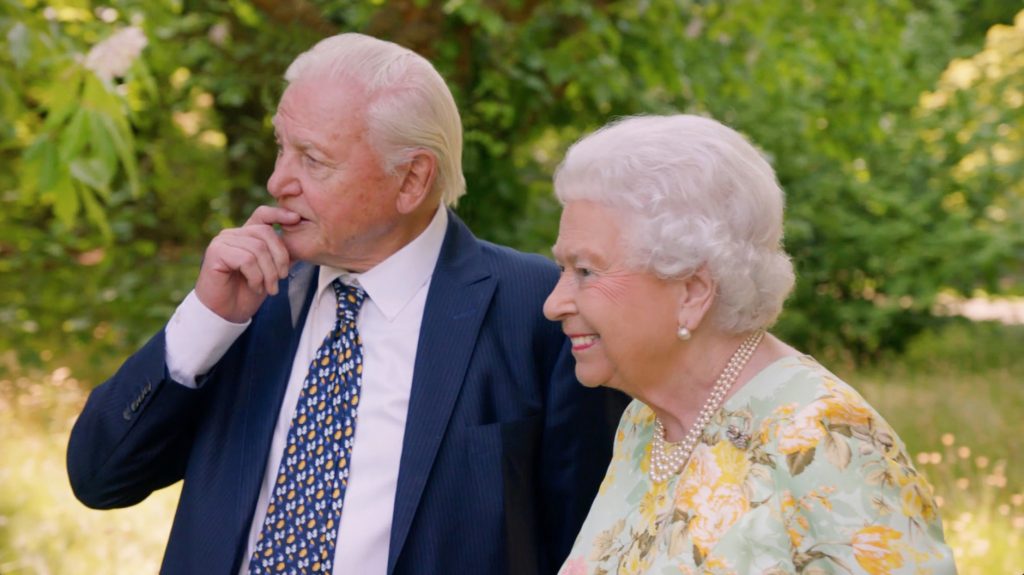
[131, 131]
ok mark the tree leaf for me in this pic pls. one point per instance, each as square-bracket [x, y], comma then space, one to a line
[65, 197]
[37, 161]
[121, 138]
[98, 97]
[100, 140]
[61, 97]
[19, 44]
[97, 215]
[75, 135]
[94, 173]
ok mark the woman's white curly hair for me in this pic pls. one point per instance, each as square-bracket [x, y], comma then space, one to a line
[692, 192]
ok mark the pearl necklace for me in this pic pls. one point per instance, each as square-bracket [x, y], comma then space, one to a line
[667, 459]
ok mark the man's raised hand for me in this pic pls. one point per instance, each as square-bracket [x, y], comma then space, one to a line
[243, 265]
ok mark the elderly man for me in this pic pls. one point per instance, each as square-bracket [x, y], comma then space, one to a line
[373, 390]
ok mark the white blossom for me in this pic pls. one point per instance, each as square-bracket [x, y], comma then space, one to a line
[219, 33]
[113, 57]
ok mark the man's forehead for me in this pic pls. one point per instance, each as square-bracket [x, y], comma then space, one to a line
[312, 103]
[277, 122]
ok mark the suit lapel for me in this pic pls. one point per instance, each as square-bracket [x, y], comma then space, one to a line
[460, 293]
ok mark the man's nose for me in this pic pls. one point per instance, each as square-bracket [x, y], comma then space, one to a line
[559, 305]
[282, 181]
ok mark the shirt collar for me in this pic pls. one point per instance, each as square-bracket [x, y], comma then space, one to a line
[392, 283]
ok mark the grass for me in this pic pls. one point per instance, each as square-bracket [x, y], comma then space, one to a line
[983, 510]
[955, 398]
[43, 528]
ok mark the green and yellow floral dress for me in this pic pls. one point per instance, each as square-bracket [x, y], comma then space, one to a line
[796, 473]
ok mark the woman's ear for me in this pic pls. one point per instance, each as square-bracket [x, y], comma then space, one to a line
[418, 181]
[697, 293]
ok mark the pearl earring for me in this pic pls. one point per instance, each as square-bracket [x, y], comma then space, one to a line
[684, 333]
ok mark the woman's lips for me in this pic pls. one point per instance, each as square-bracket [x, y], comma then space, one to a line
[581, 342]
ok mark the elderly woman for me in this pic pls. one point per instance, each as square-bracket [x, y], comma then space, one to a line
[739, 454]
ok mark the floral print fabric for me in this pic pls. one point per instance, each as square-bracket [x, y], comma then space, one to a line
[796, 473]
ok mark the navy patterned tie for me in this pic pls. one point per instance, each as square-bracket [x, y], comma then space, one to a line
[301, 527]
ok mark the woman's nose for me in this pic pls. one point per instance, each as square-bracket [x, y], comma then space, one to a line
[559, 304]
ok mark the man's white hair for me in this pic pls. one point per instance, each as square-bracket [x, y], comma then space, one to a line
[410, 106]
[692, 192]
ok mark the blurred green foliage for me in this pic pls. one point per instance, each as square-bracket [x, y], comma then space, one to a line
[894, 126]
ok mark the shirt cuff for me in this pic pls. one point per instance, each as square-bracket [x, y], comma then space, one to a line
[196, 339]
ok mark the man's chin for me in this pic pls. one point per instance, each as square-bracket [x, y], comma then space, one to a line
[298, 250]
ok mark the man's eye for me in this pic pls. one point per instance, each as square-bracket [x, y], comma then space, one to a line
[312, 160]
[585, 272]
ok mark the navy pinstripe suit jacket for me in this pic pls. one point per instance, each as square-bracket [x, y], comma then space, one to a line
[503, 449]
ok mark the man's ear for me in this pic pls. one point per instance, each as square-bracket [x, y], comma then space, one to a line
[418, 181]
[697, 293]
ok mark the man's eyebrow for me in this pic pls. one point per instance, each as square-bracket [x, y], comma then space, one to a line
[303, 145]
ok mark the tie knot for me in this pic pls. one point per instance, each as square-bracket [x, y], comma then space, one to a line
[350, 299]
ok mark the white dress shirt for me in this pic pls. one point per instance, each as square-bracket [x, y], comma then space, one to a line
[389, 325]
